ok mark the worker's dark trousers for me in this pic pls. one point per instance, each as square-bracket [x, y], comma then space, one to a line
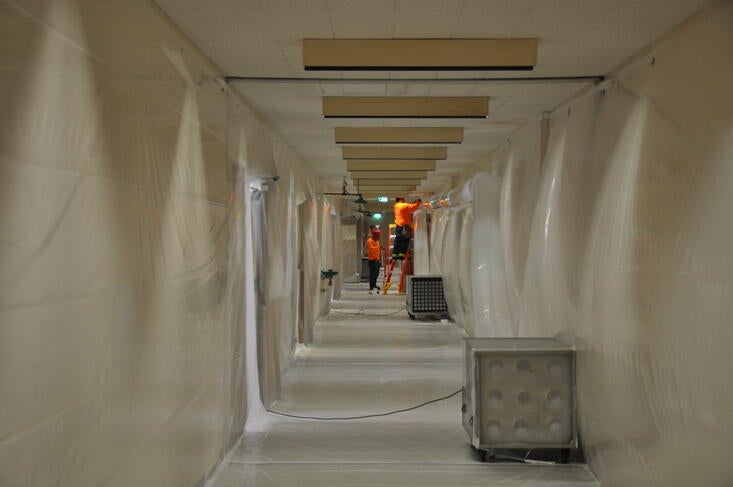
[373, 273]
[401, 241]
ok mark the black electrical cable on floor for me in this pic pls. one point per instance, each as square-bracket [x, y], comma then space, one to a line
[350, 418]
[362, 313]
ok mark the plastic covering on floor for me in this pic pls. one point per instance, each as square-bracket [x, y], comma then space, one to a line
[374, 361]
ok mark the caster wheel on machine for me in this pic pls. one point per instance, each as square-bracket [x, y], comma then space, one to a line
[565, 455]
[486, 456]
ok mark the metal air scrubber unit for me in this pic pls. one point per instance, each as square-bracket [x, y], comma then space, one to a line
[519, 393]
[425, 297]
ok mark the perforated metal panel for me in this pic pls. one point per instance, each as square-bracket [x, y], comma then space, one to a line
[425, 295]
[519, 393]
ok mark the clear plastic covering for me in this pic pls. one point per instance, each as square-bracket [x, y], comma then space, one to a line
[374, 362]
[421, 242]
[490, 315]
[437, 232]
[615, 235]
[466, 249]
[450, 263]
[124, 184]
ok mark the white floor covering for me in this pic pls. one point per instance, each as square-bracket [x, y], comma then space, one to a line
[375, 362]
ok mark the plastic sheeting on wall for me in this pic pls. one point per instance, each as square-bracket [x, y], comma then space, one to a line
[437, 232]
[628, 254]
[351, 247]
[490, 316]
[122, 204]
[421, 243]
[450, 263]
[468, 246]
[121, 276]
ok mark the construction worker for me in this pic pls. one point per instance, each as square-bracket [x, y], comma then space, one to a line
[403, 220]
[374, 254]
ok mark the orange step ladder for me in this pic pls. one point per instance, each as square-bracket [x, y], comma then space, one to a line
[406, 269]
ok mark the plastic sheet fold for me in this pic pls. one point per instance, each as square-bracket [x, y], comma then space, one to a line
[613, 235]
[124, 182]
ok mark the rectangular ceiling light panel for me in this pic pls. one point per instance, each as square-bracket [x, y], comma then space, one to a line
[385, 182]
[389, 174]
[399, 135]
[378, 188]
[390, 165]
[392, 195]
[379, 152]
[405, 107]
[419, 54]
[389, 194]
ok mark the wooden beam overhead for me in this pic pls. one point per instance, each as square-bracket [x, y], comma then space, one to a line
[419, 54]
[386, 152]
[405, 107]
[399, 135]
[390, 165]
[389, 174]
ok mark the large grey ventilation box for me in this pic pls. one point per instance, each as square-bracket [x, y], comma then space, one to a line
[425, 297]
[519, 393]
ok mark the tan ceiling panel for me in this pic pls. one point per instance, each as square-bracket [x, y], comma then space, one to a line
[405, 107]
[379, 188]
[386, 182]
[389, 174]
[419, 54]
[399, 135]
[408, 152]
[385, 192]
[390, 165]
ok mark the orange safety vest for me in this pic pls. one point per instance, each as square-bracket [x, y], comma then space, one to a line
[403, 213]
[374, 249]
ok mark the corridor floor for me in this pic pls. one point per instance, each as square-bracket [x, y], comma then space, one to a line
[369, 357]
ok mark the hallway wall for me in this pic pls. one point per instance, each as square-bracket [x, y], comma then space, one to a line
[619, 238]
[122, 169]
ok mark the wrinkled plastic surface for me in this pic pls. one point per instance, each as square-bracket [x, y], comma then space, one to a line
[421, 242]
[365, 364]
[450, 262]
[124, 168]
[276, 239]
[618, 237]
[488, 285]
[120, 258]
[466, 248]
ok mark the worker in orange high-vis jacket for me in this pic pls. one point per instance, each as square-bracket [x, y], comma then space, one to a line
[374, 254]
[403, 220]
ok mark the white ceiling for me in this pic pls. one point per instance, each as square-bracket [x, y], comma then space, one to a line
[262, 38]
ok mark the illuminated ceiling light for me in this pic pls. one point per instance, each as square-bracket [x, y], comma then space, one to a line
[399, 135]
[391, 194]
[383, 199]
[382, 189]
[391, 191]
[390, 165]
[419, 54]
[405, 107]
[389, 174]
[406, 152]
[377, 216]
[386, 182]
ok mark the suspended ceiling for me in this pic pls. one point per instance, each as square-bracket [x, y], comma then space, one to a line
[263, 39]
